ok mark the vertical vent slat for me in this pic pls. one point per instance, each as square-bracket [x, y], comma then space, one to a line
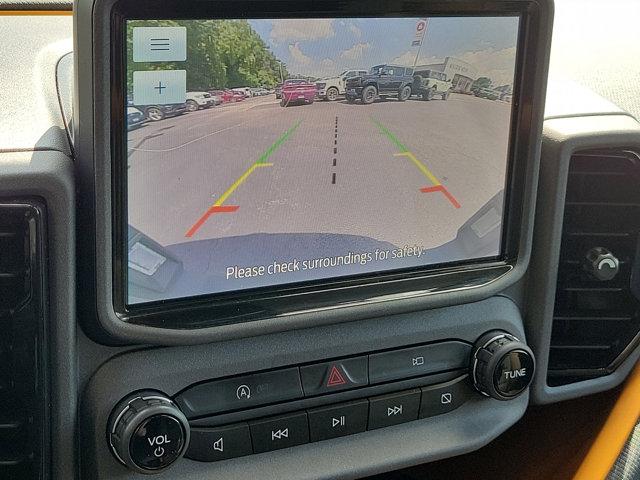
[595, 321]
[22, 388]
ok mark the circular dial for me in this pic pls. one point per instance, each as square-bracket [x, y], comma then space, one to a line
[601, 264]
[148, 432]
[502, 366]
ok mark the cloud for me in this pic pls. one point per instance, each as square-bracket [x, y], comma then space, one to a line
[305, 65]
[298, 57]
[291, 30]
[408, 57]
[325, 68]
[355, 30]
[328, 63]
[356, 52]
[498, 65]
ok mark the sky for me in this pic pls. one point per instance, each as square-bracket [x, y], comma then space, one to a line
[324, 47]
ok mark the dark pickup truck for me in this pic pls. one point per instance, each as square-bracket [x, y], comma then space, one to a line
[381, 81]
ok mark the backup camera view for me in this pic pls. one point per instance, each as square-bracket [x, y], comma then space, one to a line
[267, 152]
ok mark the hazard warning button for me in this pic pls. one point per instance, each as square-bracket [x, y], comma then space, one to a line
[335, 376]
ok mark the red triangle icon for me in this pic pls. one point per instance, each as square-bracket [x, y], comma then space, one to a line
[335, 378]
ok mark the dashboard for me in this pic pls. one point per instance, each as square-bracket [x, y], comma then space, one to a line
[308, 240]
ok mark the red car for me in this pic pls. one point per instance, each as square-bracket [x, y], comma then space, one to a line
[297, 91]
[225, 95]
[237, 96]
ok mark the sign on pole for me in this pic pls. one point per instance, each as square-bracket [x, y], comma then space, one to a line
[421, 28]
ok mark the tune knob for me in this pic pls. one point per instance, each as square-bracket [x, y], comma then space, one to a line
[501, 365]
[148, 432]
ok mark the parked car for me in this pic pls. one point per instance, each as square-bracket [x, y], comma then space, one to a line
[244, 90]
[135, 118]
[224, 95]
[279, 91]
[237, 96]
[488, 93]
[198, 100]
[259, 92]
[381, 81]
[429, 83]
[297, 91]
[331, 88]
[156, 113]
[217, 100]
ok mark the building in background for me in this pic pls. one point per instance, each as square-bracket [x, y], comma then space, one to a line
[461, 74]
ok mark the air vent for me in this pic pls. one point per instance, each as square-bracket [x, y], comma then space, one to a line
[596, 321]
[22, 382]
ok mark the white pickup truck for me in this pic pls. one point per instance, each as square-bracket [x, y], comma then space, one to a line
[429, 83]
[332, 87]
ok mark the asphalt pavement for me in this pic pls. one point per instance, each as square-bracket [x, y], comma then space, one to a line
[405, 173]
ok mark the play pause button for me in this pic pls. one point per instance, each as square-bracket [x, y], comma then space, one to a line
[338, 420]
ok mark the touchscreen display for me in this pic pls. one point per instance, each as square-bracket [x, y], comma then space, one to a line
[270, 152]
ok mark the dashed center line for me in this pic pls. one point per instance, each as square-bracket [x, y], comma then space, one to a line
[335, 151]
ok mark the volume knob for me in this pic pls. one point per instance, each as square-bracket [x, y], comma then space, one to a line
[502, 366]
[148, 432]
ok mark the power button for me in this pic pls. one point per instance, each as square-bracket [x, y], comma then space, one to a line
[157, 442]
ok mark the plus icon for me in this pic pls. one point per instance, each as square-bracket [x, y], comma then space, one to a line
[160, 87]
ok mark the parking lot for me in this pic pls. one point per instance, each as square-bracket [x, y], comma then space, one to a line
[399, 172]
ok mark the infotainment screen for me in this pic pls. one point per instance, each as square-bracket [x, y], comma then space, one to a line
[263, 153]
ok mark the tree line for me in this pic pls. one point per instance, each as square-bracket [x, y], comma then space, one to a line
[220, 54]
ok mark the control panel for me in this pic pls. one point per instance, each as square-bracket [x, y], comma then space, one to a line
[225, 418]
[326, 422]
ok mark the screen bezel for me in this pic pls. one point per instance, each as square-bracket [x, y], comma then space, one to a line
[263, 302]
